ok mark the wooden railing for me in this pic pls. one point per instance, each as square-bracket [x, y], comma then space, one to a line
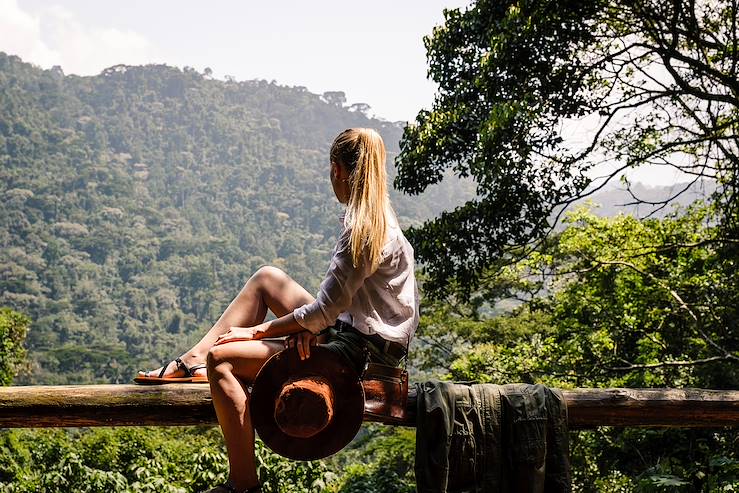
[190, 404]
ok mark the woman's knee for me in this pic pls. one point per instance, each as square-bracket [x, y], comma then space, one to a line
[268, 275]
[242, 359]
[216, 360]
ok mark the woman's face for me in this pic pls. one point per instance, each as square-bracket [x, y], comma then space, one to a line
[340, 182]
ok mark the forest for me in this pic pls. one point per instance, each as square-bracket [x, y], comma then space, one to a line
[135, 204]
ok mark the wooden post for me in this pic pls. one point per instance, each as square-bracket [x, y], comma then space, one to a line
[190, 404]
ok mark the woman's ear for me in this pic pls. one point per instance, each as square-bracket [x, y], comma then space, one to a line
[335, 171]
[342, 173]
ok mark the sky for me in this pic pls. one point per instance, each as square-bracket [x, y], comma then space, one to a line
[373, 51]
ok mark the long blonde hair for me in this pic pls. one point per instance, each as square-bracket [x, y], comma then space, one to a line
[362, 152]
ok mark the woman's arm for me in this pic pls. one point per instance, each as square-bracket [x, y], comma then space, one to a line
[342, 281]
[283, 326]
[286, 325]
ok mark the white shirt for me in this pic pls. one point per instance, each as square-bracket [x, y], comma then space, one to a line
[384, 302]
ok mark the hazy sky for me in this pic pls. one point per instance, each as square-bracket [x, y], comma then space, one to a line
[373, 51]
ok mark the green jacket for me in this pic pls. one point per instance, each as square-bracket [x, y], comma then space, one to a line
[491, 438]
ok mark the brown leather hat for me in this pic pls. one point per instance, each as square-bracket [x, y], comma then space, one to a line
[309, 409]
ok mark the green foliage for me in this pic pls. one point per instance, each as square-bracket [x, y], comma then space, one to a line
[13, 330]
[624, 303]
[183, 460]
[280, 475]
[534, 95]
[623, 296]
[381, 461]
[137, 460]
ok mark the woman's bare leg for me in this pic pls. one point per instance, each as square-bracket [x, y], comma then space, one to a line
[231, 367]
[269, 288]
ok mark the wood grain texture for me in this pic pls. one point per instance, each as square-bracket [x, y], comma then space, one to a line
[676, 408]
[190, 404]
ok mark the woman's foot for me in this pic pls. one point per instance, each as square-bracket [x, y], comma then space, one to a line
[186, 368]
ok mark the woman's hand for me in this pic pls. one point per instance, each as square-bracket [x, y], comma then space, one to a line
[303, 340]
[240, 334]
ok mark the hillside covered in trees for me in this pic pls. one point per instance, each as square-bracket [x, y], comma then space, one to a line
[137, 202]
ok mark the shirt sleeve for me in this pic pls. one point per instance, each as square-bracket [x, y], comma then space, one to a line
[337, 289]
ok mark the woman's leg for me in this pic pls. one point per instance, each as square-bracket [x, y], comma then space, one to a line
[269, 288]
[231, 367]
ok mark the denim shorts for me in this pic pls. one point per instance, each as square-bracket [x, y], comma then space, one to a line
[357, 350]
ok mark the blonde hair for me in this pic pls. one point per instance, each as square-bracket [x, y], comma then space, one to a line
[362, 152]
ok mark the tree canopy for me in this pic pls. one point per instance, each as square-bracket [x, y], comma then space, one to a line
[13, 330]
[542, 103]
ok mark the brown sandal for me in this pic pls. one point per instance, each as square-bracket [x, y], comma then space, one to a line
[188, 377]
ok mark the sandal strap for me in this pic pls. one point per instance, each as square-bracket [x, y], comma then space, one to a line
[164, 368]
[189, 371]
[182, 366]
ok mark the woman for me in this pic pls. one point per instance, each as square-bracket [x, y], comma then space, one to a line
[368, 300]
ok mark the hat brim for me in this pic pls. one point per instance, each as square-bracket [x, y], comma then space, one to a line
[348, 403]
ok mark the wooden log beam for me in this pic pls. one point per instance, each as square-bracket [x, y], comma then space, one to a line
[190, 404]
[105, 405]
[674, 408]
